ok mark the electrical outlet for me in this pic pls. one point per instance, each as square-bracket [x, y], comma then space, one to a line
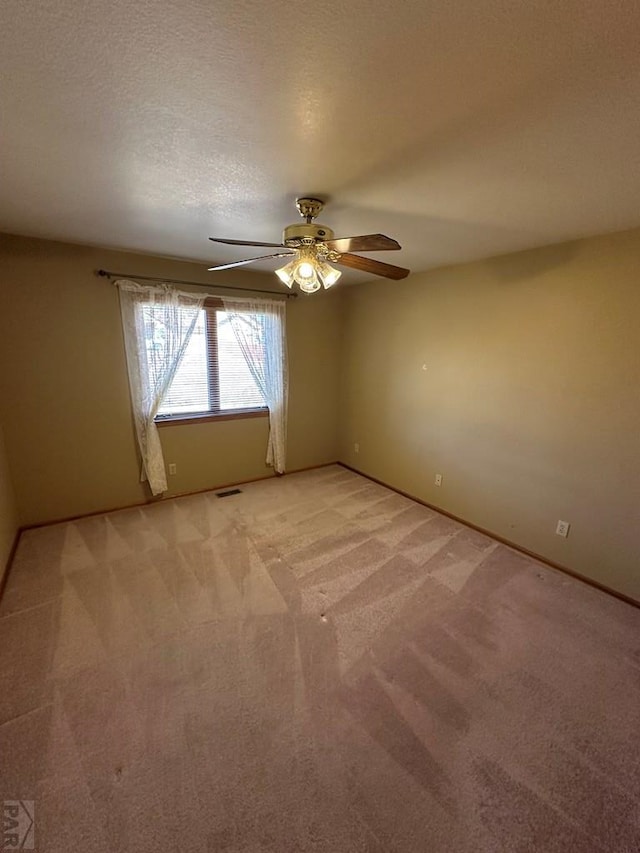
[438, 480]
[173, 468]
[356, 448]
[562, 528]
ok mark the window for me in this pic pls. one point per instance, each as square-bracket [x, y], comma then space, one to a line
[190, 356]
[213, 377]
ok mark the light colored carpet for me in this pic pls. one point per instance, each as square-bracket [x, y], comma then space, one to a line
[317, 664]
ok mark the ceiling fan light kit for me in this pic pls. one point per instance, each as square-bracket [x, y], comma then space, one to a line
[309, 269]
[313, 248]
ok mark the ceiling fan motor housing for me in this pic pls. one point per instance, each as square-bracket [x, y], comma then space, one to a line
[297, 235]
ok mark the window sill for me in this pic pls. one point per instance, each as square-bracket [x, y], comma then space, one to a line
[232, 415]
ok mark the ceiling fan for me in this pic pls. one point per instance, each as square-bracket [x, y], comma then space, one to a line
[312, 249]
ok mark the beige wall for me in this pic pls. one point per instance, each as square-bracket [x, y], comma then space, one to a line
[8, 514]
[529, 405]
[68, 427]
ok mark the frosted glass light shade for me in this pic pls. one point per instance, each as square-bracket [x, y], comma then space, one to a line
[328, 275]
[304, 271]
[305, 274]
[285, 273]
[310, 285]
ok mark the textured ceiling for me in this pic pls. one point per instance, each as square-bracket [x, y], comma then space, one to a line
[462, 129]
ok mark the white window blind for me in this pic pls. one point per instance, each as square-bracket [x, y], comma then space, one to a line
[213, 374]
[237, 387]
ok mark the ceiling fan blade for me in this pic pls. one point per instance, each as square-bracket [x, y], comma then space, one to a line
[250, 261]
[365, 243]
[375, 267]
[246, 243]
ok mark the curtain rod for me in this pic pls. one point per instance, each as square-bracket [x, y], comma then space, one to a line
[109, 274]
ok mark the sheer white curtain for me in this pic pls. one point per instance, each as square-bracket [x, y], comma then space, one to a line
[158, 322]
[259, 327]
